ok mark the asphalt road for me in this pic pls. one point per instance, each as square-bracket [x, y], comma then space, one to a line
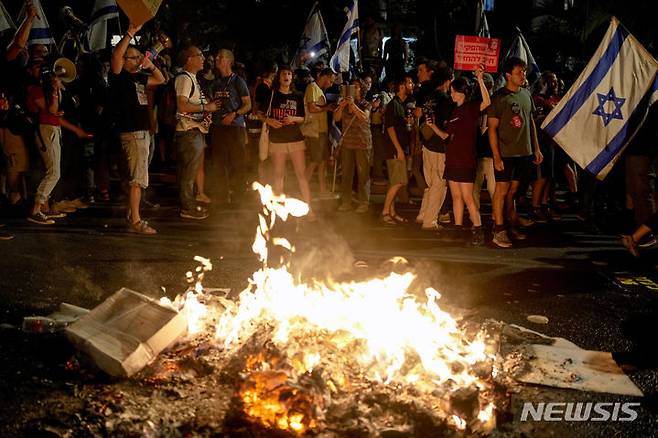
[593, 292]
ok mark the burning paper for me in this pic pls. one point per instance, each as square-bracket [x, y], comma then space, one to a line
[377, 330]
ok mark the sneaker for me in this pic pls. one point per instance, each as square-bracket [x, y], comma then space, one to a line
[630, 245]
[79, 203]
[362, 208]
[197, 214]
[516, 234]
[501, 239]
[538, 216]
[477, 236]
[551, 214]
[141, 227]
[524, 222]
[54, 214]
[203, 198]
[6, 236]
[65, 206]
[433, 226]
[345, 207]
[150, 205]
[444, 218]
[647, 241]
[40, 218]
[327, 196]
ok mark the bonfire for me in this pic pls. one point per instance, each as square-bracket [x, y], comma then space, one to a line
[318, 357]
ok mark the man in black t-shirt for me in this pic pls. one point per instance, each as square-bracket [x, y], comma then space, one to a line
[133, 122]
[438, 107]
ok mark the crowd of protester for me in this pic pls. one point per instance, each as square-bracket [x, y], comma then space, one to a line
[420, 130]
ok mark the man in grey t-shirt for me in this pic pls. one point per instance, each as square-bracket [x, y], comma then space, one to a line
[513, 140]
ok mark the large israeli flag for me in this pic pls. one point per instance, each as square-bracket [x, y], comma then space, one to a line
[607, 104]
[340, 62]
[40, 32]
[96, 35]
[5, 19]
[314, 44]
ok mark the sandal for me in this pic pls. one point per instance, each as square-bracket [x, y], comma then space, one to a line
[141, 227]
[387, 219]
[399, 219]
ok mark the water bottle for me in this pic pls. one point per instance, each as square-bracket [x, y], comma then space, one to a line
[42, 324]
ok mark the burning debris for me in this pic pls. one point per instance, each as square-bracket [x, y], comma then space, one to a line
[328, 358]
[322, 344]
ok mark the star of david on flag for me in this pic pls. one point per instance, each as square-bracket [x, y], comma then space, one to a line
[607, 104]
[618, 102]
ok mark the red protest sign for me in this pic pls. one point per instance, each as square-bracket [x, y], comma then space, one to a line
[471, 51]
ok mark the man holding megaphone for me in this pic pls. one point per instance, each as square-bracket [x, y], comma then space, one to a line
[45, 100]
[128, 86]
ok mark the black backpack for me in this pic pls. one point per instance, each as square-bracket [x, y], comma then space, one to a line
[167, 106]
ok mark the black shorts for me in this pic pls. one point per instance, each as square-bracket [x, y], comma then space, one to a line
[459, 174]
[547, 167]
[514, 169]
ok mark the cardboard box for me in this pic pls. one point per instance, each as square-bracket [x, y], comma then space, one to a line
[139, 11]
[126, 332]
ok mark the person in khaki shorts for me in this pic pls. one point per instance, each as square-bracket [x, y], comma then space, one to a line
[285, 113]
[397, 139]
[133, 118]
[316, 126]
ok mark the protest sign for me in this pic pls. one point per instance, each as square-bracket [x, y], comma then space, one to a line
[472, 51]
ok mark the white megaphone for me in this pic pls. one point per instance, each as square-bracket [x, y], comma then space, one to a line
[65, 69]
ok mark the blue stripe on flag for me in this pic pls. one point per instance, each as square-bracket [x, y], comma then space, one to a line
[107, 10]
[617, 143]
[319, 46]
[39, 33]
[587, 88]
[348, 33]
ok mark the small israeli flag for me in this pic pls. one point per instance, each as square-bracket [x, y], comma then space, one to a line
[520, 49]
[607, 104]
[96, 35]
[5, 19]
[314, 44]
[40, 32]
[340, 62]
